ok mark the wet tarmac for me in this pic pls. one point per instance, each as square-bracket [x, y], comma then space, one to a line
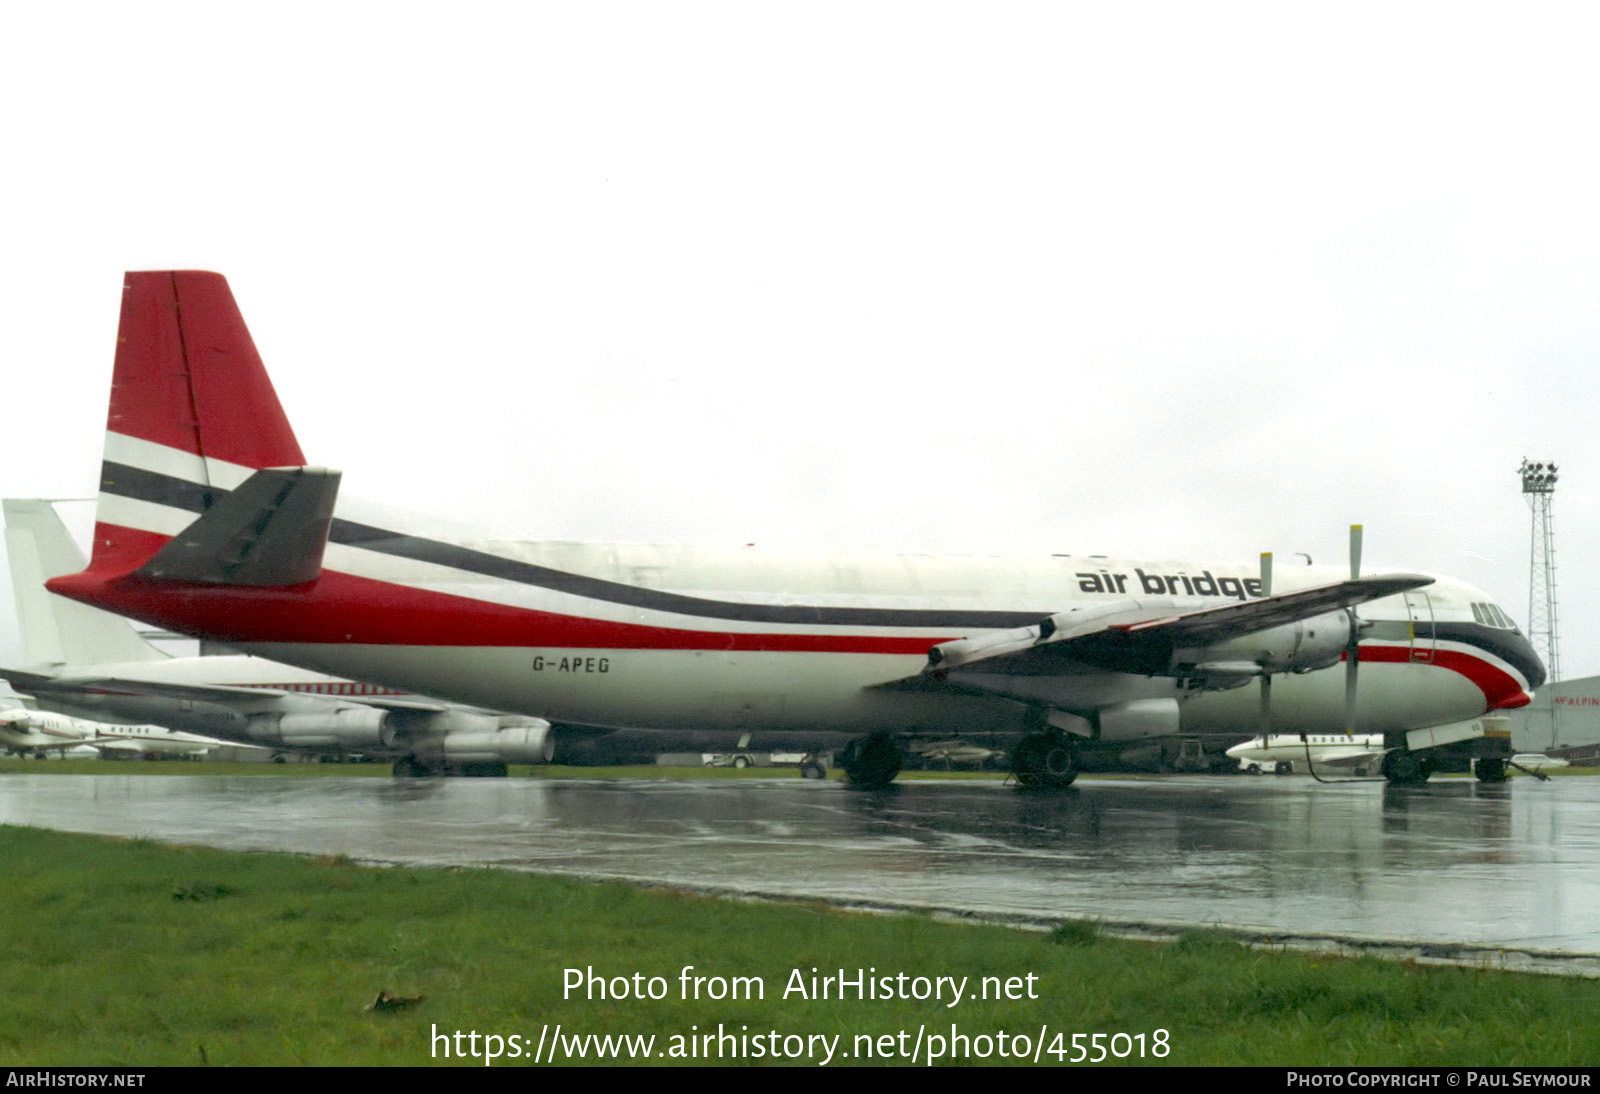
[1510, 868]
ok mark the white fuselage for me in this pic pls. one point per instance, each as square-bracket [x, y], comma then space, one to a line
[680, 639]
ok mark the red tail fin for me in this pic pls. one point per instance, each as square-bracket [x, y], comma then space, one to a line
[188, 377]
[192, 415]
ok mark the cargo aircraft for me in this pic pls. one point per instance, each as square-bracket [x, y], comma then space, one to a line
[83, 662]
[212, 523]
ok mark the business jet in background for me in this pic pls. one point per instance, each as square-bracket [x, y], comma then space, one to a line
[212, 523]
[40, 733]
[1282, 753]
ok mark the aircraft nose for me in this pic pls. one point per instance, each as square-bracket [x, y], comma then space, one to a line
[1537, 673]
[1515, 648]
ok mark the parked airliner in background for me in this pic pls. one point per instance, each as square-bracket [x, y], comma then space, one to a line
[211, 523]
[84, 662]
[38, 733]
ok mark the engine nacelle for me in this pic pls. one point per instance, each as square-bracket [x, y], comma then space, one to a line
[1138, 719]
[529, 742]
[346, 727]
[1302, 646]
[425, 725]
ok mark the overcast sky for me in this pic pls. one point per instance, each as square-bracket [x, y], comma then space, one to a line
[1148, 280]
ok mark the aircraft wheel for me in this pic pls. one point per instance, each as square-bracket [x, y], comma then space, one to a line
[1404, 768]
[871, 762]
[1490, 769]
[1253, 769]
[409, 767]
[1283, 767]
[741, 761]
[1046, 760]
[811, 769]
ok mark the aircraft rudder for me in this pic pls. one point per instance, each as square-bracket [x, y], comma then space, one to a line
[188, 377]
[192, 413]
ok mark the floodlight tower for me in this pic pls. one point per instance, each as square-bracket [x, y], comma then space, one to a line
[1539, 486]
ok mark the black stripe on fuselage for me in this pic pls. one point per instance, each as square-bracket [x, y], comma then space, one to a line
[140, 485]
[1509, 646]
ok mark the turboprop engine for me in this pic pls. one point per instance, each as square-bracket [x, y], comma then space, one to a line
[1303, 646]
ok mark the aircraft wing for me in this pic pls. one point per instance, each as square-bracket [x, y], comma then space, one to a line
[25, 743]
[24, 682]
[236, 697]
[134, 746]
[1341, 759]
[1157, 638]
[242, 700]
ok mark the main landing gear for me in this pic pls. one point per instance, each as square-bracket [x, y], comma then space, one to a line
[1404, 768]
[871, 762]
[1046, 760]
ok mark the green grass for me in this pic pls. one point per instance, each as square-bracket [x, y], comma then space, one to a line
[133, 953]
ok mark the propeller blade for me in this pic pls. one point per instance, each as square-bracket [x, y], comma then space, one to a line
[1266, 677]
[1352, 652]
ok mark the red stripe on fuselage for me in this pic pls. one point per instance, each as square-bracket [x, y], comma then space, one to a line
[342, 608]
[345, 609]
[1501, 690]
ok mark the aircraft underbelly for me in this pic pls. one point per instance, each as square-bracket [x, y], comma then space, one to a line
[671, 689]
[836, 692]
[1391, 698]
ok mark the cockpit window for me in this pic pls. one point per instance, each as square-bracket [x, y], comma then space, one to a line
[1490, 615]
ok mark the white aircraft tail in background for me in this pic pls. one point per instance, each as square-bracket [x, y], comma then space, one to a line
[55, 631]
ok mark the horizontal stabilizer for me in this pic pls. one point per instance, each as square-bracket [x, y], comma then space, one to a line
[268, 533]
